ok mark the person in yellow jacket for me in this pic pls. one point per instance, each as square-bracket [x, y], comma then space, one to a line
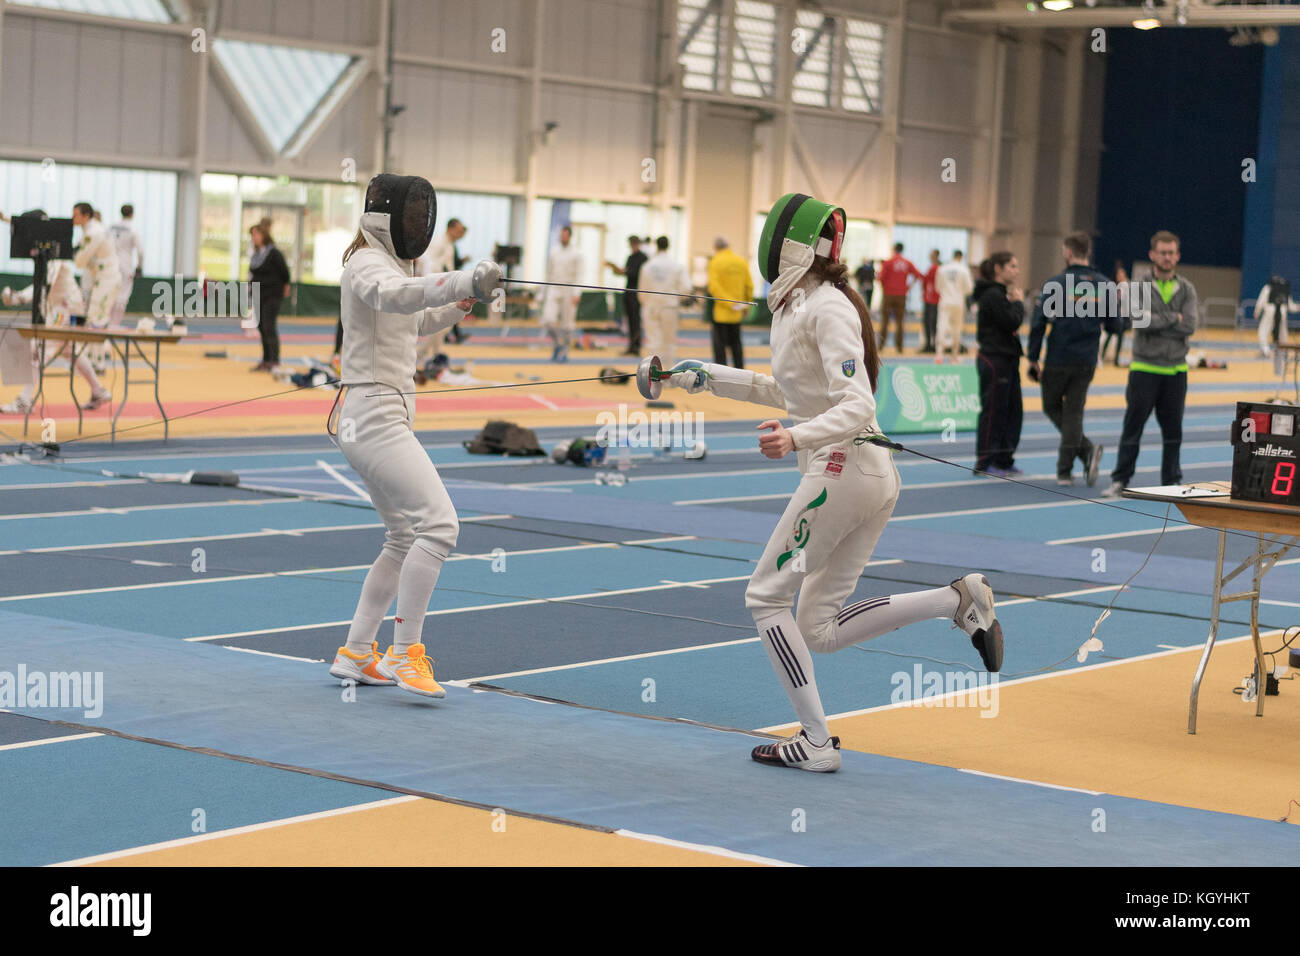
[729, 278]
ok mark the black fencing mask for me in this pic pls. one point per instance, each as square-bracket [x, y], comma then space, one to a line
[411, 206]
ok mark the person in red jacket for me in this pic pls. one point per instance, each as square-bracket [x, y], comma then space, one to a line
[930, 296]
[894, 275]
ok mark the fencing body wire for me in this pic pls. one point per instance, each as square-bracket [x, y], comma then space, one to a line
[880, 440]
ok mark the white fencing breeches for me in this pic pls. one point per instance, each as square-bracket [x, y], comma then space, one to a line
[951, 318]
[375, 434]
[825, 538]
[1268, 315]
[123, 296]
[659, 328]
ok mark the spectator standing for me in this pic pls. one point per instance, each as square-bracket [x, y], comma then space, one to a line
[663, 273]
[865, 276]
[896, 274]
[955, 285]
[729, 278]
[269, 274]
[130, 259]
[631, 303]
[560, 310]
[1157, 376]
[1076, 305]
[930, 303]
[1001, 309]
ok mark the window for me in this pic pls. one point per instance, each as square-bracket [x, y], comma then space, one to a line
[864, 48]
[814, 40]
[699, 33]
[281, 86]
[149, 10]
[754, 53]
[56, 187]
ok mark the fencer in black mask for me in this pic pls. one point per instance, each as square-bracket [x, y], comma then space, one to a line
[412, 208]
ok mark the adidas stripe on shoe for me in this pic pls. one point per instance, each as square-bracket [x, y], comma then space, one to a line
[977, 617]
[800, 753]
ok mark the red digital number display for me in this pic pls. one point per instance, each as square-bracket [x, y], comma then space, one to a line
[1283, 477]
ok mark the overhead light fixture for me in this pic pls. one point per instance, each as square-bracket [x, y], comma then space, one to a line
[1055, 5]
[1148, 24]
[1180, 13]
[1091, 3]
[1268, 36]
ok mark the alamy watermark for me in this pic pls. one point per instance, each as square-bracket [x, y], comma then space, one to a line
[1086, 299]
[932, 688]
[638, 429]
[208, 299]
[59, 690]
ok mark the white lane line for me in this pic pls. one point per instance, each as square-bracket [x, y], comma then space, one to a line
[544, 402]
[40, 486]
[151, 564]
[704, 848]
[1127, 534]
[684, 584]
[299, 572]
[225, 537]
[1032, 783]
[47, 740]
[236, 831]
[283, 657]
[743, 640]
[342, 479]
[239, 502]
[464, 610]
[987, 511]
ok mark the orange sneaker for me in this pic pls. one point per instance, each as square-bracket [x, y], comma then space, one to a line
[413, 672]
[362, 668]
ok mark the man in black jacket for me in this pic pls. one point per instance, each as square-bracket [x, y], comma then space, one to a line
[1078, 303]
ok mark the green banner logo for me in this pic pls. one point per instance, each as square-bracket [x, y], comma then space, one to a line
[919, 398]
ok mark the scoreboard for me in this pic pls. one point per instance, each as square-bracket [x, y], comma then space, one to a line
[1266, 453]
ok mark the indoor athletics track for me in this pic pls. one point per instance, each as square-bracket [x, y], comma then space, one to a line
[605, 685]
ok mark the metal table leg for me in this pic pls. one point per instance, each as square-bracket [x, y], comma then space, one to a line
[1215, 601]
[72, 382]
[125, 353]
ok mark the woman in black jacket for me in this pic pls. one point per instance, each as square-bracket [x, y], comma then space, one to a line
[1001, 311]
[269, 274]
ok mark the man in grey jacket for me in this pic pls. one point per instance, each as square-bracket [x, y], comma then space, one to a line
[1157, 377]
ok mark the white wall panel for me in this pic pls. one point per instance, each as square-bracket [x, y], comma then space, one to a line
[17, 79]
[457, 30]
[922, 193]
[605, 39]
[352, 22]
[457, 127]
[227, 144]
[833, 145]
[599, 146]
[941, 80]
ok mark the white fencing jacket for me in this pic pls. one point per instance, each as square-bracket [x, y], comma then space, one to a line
[62, 297]
[817, 370]
[953, 283]
[98, 254]
[385, 309]
[662, 273]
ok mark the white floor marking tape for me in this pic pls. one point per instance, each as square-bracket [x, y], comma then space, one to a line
[46, 740]
[341, 479]
[1032, 783]
[236, 831]
[704, 848]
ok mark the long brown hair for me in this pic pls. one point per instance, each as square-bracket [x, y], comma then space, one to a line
[837, 273]
[357, 243]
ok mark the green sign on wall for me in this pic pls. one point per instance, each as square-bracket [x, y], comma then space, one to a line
[927, 398]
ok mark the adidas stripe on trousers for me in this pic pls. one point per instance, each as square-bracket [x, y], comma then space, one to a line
[818, 551]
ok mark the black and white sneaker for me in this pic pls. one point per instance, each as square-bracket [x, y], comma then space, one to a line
[977, 617]
[1094, 464]
[800, 753]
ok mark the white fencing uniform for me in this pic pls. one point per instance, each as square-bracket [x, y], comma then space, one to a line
[61, 301]
[1266, 312]
[659, 313]
[129, 254]
[845, 497]
[438, 258]
[384, 310]
[97, 260]
[954, 284]
[560, 310]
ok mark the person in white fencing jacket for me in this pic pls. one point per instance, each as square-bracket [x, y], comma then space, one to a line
[384, 310]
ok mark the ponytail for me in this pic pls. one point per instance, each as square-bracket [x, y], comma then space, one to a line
[836, 273]
[359, 242]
